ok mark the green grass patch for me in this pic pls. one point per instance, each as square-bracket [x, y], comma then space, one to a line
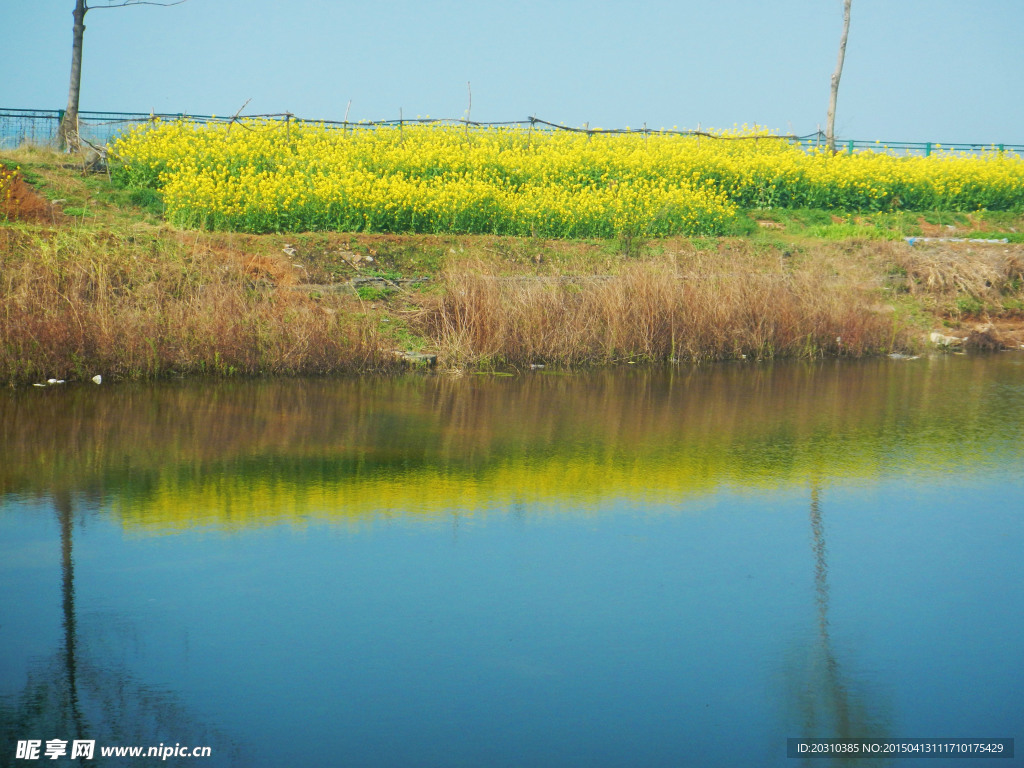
[374, 293]
[850, 232]
[384, 274]
[946, 218]
[969, 305]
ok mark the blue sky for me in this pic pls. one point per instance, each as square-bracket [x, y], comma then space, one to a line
[916, 70]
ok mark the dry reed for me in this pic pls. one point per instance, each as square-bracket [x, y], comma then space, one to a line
[700, 307]
[77, 303]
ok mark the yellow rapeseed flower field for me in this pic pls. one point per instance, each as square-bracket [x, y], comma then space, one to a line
[266, 176]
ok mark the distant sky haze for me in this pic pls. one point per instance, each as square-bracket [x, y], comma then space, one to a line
[916, 70]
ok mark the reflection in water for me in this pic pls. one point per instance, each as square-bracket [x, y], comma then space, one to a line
[634, 594]
[251, 453]
[62, 501]
[830, 706]
[70, 696]
[820, 563]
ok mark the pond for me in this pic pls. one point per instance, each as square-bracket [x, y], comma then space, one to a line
[685, 566]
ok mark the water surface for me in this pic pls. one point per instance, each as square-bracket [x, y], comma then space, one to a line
[678, 567]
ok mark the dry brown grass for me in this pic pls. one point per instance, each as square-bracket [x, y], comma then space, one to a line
[77, 303]
[982, 272]
[694, 306]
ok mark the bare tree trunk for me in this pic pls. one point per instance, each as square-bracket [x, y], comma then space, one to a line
[830, 125]
[67, 134]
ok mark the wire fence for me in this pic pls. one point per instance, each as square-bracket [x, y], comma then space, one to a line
[40, 127]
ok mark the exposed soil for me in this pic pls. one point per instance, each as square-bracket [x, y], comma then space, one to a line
[990, 334]
[25, 204]
[961, 229]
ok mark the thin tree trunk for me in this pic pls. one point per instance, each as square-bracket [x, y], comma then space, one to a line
[830, 125]
[68, 131]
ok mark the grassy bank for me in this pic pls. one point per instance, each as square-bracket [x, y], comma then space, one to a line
[93, 281]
